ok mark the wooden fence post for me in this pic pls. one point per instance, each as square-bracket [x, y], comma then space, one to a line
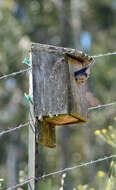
[33, 145]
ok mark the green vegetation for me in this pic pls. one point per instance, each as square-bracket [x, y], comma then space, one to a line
[58, 23]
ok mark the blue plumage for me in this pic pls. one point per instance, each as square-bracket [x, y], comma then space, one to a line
[81, 71]
[82, 74]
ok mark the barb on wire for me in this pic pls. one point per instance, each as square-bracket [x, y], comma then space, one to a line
[22, 71]
[102, 106]
[27, 181]
[103, 55]
[25, 124]
[13, 128]
[62, 170]
[15, 73]
[78, 166]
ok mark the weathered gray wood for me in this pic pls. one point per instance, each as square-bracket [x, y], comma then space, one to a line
[49, 83]
[58, 98]
[55, 89]
[33, 145]
[77, 93]
[55, 92]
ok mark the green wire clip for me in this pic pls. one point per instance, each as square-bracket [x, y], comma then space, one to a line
[27, 98]
[26, 61]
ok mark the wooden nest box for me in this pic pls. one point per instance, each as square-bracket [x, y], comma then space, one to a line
[57, 97]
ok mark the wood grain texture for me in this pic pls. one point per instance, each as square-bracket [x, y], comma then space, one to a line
[48, 134]
[33, 146]
[55, 90]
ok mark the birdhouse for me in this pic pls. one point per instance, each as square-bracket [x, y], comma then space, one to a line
[58, 98]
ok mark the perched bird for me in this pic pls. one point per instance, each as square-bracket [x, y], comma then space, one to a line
[85, 61]
[82, 74]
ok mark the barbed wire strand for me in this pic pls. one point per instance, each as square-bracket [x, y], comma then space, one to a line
[62, 170]
[22, 71]
[27, 181]
[102, 106]
[27, 123]
[13, 128]
[14, 74]
[104, 55]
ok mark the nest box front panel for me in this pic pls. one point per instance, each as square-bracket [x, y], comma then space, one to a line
[77, 94]
[50, 85]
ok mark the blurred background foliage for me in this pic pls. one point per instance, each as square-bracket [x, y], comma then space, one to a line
[87, 25]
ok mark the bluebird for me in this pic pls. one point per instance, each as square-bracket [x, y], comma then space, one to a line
[82, 74]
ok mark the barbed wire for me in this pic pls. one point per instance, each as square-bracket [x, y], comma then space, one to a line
[102, 106]
[22, 71]
[27, 123]
[104, 55]
[21, 184]
[15, 73]
[85, 164]
[9, 130]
